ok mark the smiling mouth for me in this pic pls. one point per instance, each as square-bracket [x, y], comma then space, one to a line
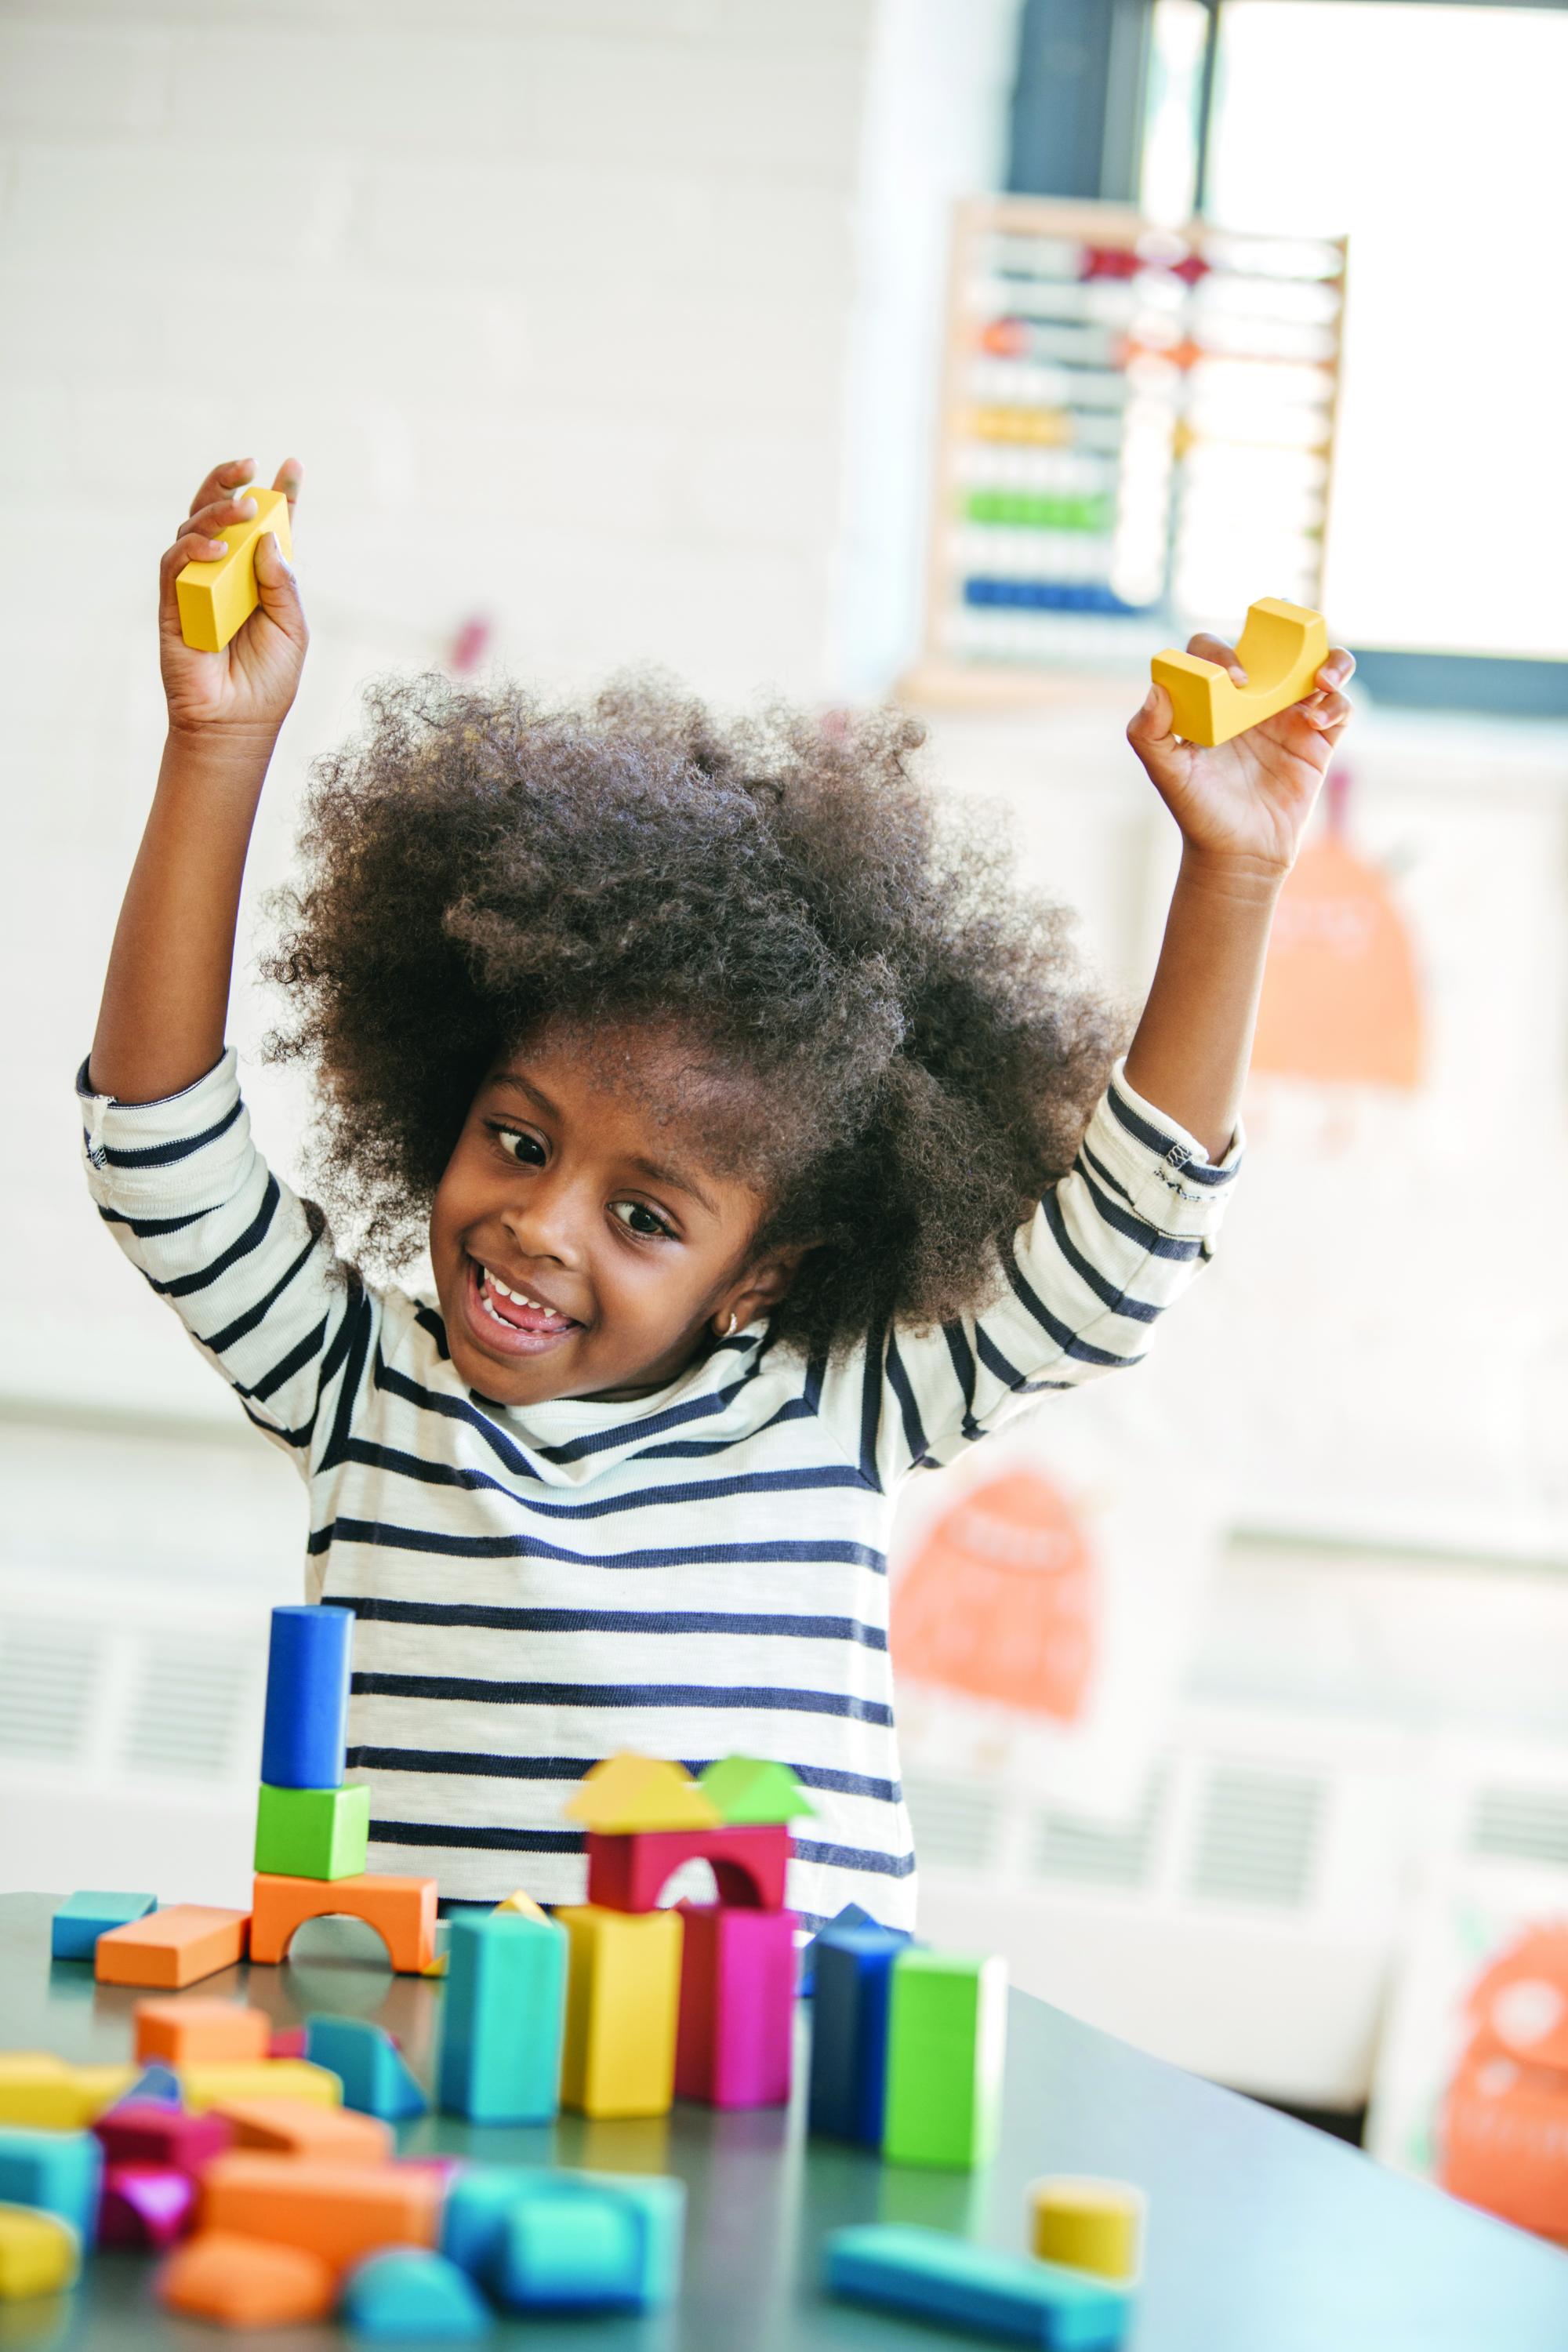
[508, 1319]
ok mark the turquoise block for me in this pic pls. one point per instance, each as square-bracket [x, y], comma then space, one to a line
[502, 2013]
[474, 2212]
[408, 2293]
[58, 2171]
[376, 2078]
[82, 1918]
[936, 2276]
[591, 2241]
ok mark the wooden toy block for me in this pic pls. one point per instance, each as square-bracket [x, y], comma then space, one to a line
[99, 2088]
[39, 2090]
[339, 2211]
[296, 2127]
[629, 1871]
[947, 2031]
[223, 2275]
[1087, 2225]
[851, 1915]
[259, 2078]
[163, 2137]
[629, 1792]
[591, 2241]
[735, 2034]
[623, 1993]
[478, 2197]
[39, 2254]
[289, 2042]
[934, 2275]
[373, 2072]
[154, 2086]
[312, 1832]
[502, 2019]
[1281, 648]
[747, 1792]
[401, 1910]
[405, 2294]
[58, 2171]
[849, 2030]
[172, 1949]
[83, 1917]
[306, 1727]
[144, 2205]
[195, 2032]
[521, 1901]
[217, 598]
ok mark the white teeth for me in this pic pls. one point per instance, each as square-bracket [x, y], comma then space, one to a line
[517, 1297]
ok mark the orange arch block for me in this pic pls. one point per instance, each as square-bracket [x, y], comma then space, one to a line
[401, 1910]
[225, 2275]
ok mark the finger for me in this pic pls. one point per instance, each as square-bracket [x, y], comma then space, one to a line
[1327, 712]
[1151, 724]
[1338, 668]
[215, 519]
[1208, 648]
[191, 547]
[277, 588]
[288, 478]
[223, 478]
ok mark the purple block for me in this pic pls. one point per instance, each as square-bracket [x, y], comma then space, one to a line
[735, 2040]
[163, 2137]
[144, 2205]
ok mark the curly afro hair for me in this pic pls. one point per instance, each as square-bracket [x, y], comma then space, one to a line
[920, 1045]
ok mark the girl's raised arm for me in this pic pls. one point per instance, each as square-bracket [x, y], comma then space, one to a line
[165, 998]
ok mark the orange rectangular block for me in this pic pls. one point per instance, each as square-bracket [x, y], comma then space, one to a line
[174, 1947]
[339, 2211]
[293, 2128]
[200, 2032]
[401, 1910]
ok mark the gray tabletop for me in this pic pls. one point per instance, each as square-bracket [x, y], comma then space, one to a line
[1264, 2236]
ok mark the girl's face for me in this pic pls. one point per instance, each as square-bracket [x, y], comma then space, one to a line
[580, 1244]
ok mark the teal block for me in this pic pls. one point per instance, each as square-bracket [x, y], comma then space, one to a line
[502, 2014]
[375, 2075]
[406, 2293]
[314, 1832]
[473, 2214]
[947, 2037]
[82, 1918]
[590, 2241]
[58, 2171]
[934, 2275]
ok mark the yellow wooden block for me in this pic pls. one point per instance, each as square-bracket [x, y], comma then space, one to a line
[99, 2087]
[628, 1792]
[216, 599]
[623, 1997]
[1087, 2225]
[438, 1966]
[519, 1900]
[39, 2091]
[1281, 648]
[259, 2078]
[38, 2252]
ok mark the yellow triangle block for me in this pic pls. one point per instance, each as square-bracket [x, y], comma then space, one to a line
[521, 1900]
[629, 1792]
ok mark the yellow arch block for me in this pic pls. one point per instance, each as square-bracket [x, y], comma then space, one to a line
[216, 599]
[37, 2253]
[1281, 648]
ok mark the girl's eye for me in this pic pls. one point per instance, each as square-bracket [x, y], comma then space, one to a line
[638, 1218]
[517, 1144]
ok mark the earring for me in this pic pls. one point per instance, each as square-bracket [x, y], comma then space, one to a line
[730, 1327]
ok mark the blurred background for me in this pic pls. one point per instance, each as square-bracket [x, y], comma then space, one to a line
[964, 353]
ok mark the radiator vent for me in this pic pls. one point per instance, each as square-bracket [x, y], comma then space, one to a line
[48, 1678]
[1257, 1838]
[955, 1826]
[1095, 1854]
[190, 1705]
[1521, 1824]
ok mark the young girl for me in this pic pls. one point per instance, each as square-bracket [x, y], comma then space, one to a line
[767, 1145]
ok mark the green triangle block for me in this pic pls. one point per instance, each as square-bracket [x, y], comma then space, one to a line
[747, 1793]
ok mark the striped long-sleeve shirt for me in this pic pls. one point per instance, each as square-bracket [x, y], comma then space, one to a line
[694, 1574]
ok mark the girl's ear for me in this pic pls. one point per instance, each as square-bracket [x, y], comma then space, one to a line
[758, 1291]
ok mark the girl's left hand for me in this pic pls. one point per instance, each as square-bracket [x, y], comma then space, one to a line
[1247, 800]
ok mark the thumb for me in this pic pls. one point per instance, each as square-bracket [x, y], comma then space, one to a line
[276, 587]
[1151, 723]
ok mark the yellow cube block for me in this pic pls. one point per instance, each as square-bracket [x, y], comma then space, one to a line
[259, 2078]
[1281, 648]
[1087, 2225]
[623, 1997]
[39, 2091]
[216, 599]
[99, 2087]
[39, 2254]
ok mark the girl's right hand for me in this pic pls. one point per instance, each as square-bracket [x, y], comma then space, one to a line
[249, 686]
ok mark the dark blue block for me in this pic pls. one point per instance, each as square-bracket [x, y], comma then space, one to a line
[849, 2030]
[306, 1725]
[850, 1917]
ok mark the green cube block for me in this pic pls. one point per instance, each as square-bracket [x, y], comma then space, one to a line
[947, 2038]
[312, 1832]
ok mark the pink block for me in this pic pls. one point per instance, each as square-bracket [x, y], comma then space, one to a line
[289, 2041]
[163, 2137]
[735, 2039]
[144, 2205]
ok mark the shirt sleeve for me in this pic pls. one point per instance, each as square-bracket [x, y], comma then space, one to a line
[1080, 1288]
[247, 1266]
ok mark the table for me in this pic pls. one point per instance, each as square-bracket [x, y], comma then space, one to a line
[1264, 2235]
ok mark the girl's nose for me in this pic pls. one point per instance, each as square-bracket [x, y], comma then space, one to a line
[546, 1224]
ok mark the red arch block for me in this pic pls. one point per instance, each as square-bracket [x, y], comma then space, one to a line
[629, 1873]
[401, 1910]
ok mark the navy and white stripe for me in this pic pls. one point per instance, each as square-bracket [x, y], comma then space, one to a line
[695, 1573]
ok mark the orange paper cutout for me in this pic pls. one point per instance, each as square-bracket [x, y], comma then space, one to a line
[1341, 1003]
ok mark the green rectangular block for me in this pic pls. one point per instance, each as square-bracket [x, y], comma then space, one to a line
[312, 1832]
[947, 2040]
